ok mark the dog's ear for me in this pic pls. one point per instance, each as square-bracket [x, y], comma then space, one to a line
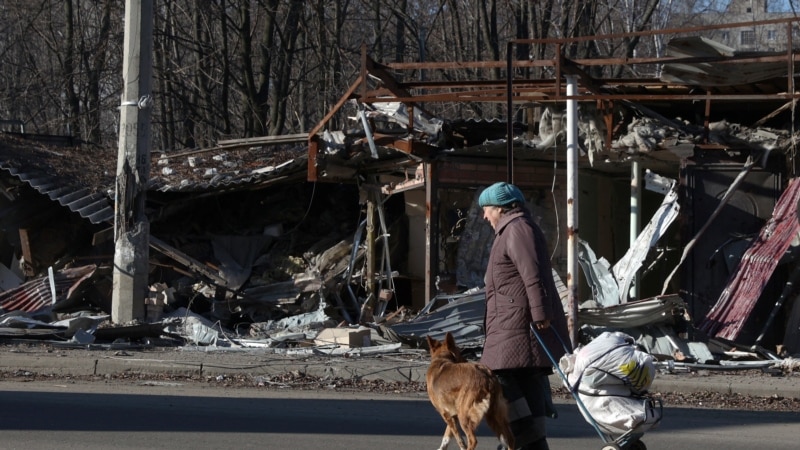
[450, 345]
[432, 343]
[450, 340]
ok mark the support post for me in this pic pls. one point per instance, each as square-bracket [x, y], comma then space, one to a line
[431, 231]
[509, 114]
[131, 227]
[635, 219]
[572, 208]
[369, 271]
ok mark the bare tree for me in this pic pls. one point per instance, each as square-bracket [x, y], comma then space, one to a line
[239, 68]
[282, 70]
[63, 55]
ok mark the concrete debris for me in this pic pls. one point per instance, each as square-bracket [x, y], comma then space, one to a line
[787, 365]
[344, 337]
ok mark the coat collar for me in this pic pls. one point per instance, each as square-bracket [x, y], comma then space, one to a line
[508, 217]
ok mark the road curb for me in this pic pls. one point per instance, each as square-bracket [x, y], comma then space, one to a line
[390, 369]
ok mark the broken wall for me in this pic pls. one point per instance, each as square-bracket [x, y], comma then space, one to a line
[415, 210]
[545, 191]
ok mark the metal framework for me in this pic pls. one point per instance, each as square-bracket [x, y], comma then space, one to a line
[569, 81]
[517, 89]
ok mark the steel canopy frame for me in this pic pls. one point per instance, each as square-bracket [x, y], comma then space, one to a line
[520, 90]
[516, 90]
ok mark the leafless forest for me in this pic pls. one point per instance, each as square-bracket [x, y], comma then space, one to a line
[243, 68]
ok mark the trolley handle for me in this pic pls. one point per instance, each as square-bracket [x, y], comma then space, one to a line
[547, 350]
[573, 390]
[572, 387]
[558, 336]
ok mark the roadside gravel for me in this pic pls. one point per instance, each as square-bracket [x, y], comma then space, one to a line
[401, 374]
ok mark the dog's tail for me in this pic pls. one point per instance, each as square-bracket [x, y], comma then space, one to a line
[497, 418]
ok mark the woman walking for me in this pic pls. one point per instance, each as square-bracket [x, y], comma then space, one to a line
[520, 292]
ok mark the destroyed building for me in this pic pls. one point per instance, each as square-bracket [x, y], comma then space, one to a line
[266, 241]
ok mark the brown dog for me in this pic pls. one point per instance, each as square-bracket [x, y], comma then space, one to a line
[465, 392]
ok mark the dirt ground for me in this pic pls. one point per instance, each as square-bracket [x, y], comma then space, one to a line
[299, 380]
[304, 382]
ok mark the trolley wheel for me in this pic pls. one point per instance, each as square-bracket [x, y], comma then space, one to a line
[637, 445]
[611, 447]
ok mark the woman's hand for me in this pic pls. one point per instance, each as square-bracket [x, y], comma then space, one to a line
[542, 324]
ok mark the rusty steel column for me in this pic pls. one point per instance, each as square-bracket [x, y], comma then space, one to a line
[793, 163]
[431, 231]
[509, 114]
[572, 208]
[369, 275]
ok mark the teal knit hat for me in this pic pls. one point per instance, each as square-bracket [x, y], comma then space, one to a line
[500, 194]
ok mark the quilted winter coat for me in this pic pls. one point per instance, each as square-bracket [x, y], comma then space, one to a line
[520, 290]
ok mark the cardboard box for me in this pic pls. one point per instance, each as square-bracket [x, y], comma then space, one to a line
[344, 337]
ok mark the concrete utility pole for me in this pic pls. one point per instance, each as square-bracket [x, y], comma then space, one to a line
[131, 228]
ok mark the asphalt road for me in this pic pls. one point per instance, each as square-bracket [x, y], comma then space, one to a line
[97, 415]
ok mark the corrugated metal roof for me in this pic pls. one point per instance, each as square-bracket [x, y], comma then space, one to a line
[82, 179]
[36, 295]
[718, 75]
[231, 180]
[462, 316]
[94, 206]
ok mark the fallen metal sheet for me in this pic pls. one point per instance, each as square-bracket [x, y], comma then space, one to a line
[661, 341]
[82, 337]
[8, 278]
[734, 305]
[276, 332]
[191, 326]
[20, 325]
[87, 324]
[605, 291]
[700, 351]
[711, 74]
[462, 316]
[37, 295]
[23, 321]
[236, 255]
[650, 322]
[676, 366]
[305, 319]
[198, 333]
[350, 351]
[398, 112]
[35, 333]
[633, 314]
[147, 330]
[625, 269]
